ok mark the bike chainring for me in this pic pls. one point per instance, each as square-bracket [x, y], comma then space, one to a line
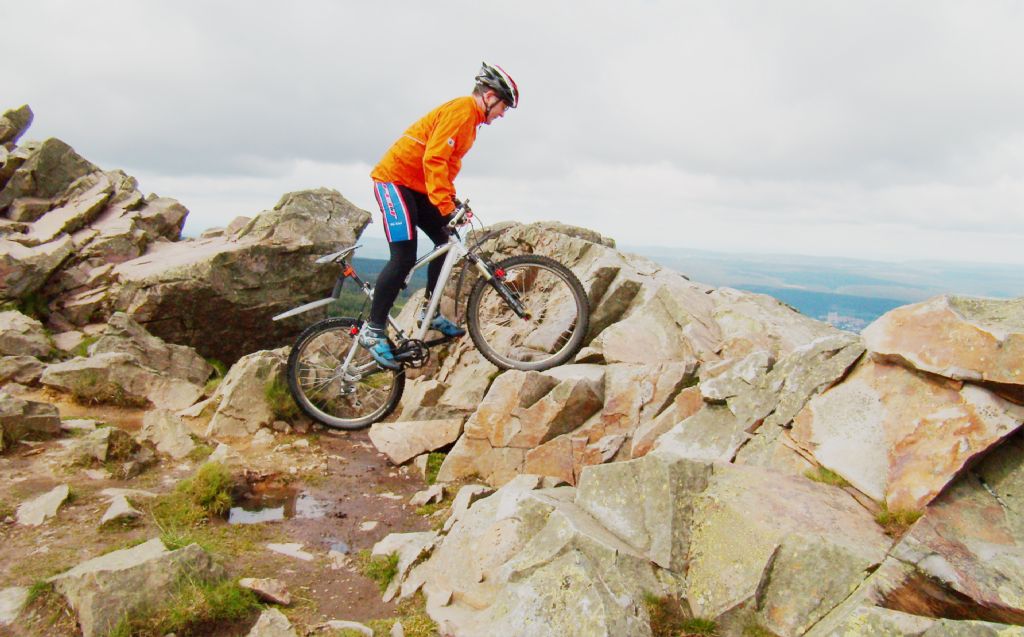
[412, 353]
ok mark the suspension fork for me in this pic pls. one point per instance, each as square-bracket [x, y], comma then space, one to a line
[495, 277]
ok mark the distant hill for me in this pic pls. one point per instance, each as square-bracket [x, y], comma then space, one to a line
[849, 293]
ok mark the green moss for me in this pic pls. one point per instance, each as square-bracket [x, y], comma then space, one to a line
[434, 462]
[200, 452]
[381, 569]
[896, 521]
[82, 349]
[826, 476]
[279, 398]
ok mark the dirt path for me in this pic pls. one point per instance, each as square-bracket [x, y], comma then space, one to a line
[354, 499]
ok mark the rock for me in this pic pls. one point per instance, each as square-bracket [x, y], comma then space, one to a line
[28, 210]
[269, 590]
[20, 369]
[783, 548]
[12, 600]
[218, 295]
[80, 425]
[48, 170]
[168, 432]
[738, 377]
[24, 270]
[401, 441]
[82, 208]
[226, 455]
[120, 510]
[27, 419]
[397, 629]
[68, 341]
[14, 123]
[435, 493]
[647, 502]
[122, 334]
[21, 335]
[242, 407]
[466, 496]
[898, 436]
[272, 623]
[410, 547]
[686, 403]
[264, 439]
[119, 378]
[964, 557]
[343, 625]
[105, 589]
[419, 463]
[36, 511]
[101, 445]
[291, 549]
[964, 338]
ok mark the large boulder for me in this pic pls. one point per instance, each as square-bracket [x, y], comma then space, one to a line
[105, 589]
[969, 339]
[241, 398]
[21, 335]
[219, 294]
[899, 436]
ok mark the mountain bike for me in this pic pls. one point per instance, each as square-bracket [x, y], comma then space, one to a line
[526, 312]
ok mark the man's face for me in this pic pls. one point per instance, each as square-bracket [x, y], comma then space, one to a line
[498, 106]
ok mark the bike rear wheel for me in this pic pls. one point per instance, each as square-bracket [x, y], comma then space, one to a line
[363, 396]
[557, 314]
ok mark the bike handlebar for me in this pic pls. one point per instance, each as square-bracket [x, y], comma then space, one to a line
[463, 213]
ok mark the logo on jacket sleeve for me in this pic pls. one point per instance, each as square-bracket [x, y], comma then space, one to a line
[451, 142]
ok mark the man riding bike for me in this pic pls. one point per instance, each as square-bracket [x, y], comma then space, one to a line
[413, 184]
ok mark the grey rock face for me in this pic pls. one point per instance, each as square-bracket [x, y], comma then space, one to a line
[27, 419]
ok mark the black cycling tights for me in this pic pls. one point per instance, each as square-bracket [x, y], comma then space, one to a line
[426, 216]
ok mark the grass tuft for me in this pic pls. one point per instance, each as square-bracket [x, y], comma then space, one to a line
[90, 388]
[279, 398]
[669, 619]
[896, 521]
[195, 500]
[434, 462]
[381, 569]
[826, 476]
[38, 589]
[195, 607]
[413, 615]
[82, 349]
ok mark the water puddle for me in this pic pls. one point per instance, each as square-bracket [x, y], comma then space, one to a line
[273, 504]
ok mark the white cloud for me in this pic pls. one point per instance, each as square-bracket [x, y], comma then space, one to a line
[862, 129]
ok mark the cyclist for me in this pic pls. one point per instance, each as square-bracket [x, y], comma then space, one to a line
[413, 186]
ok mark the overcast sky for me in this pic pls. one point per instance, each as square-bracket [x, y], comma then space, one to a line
[877, 129]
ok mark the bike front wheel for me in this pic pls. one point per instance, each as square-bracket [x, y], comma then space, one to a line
[334, 396]
[556, 313]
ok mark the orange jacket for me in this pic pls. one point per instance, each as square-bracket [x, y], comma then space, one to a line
[429, 155]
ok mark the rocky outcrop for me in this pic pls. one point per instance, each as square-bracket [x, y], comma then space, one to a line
[219, 294]
[14, 123]
[168, 433]
[90, 244]
[105, 589]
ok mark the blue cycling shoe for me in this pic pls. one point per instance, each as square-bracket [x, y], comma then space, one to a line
[446, 327]
[375, 341]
